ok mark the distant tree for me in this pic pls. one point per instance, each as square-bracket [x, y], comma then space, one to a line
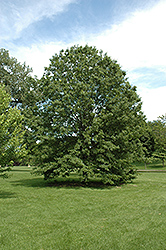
[91, 118]
[12, 148]
[16, 78]
[159, 133]
[148, 144]
[24, 92]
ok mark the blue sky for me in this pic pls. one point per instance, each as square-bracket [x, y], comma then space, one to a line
[130, 31]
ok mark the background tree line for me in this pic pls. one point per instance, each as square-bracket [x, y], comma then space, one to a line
[82, 116]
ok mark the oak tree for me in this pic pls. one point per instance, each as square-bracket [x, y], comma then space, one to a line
[91, 118]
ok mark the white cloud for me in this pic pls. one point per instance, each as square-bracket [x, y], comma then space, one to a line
[15, 16]
[154, 102]
[138, 41]
[38, 55]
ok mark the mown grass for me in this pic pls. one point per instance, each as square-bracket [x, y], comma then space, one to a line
[37, 215]
[150, 166]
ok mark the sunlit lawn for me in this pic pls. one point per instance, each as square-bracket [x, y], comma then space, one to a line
[35, 215]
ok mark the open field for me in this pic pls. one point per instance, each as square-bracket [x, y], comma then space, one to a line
[35, 215]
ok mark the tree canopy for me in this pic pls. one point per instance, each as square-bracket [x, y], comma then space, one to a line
[16, 77]
[12, 148]
[24, 92]
[159, 134]
[90, 118]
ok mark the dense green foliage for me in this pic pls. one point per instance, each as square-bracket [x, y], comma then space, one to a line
[16, 78]
[91, 118]
[158, 128]
[82, 116]
[148, 145]
[12, 148]
[23, 89]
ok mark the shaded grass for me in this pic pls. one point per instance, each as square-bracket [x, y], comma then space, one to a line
[150, 166]
[37, 215]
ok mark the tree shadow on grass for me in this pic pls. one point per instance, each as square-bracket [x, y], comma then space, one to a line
[5, 195]
[20, 170]
[59, 183]
[156, 166]
[78, 184]
[34, 182]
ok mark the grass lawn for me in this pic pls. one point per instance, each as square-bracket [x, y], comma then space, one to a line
[35, 215]
[151, 166]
